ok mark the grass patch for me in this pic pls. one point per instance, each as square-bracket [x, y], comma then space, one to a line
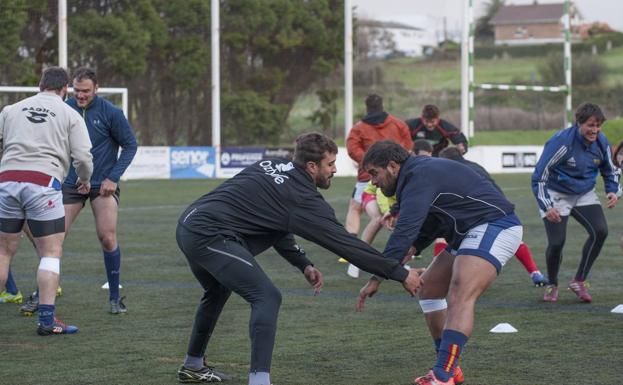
[320, 340]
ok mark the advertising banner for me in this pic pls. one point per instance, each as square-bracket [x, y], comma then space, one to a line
[149, 163]
[234, 159]
[192, 162]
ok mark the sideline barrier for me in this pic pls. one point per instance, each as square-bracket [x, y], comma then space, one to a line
[199, 162]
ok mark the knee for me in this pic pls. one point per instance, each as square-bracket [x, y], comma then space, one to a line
[601, 232]
[556, 245]
[108, 240]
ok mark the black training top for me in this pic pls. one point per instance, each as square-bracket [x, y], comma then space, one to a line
[272, 198]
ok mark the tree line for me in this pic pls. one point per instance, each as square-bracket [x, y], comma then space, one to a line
[271, 51]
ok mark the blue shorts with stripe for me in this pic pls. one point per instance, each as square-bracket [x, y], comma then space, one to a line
[495, 241]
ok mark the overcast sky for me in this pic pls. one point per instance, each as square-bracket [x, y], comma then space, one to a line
[407, 11]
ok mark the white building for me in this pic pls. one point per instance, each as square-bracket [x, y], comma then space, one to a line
[388, 38]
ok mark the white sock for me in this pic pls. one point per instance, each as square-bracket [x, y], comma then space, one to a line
[259, 378]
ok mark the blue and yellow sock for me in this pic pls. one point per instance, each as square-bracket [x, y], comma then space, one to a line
[112, 262]
[452, 343]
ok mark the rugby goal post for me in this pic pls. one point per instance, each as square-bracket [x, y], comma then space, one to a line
[469, 85]
[123, 92]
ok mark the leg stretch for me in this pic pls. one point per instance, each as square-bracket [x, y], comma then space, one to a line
[556, 234]
[593, 220]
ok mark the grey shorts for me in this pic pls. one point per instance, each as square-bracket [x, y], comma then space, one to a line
[41, 206]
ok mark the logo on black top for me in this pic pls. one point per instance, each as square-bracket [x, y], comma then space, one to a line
[38, 114]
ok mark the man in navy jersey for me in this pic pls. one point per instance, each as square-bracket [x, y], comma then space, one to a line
[485, 234]
[109, 130]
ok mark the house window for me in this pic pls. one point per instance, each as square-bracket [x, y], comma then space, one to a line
[520, 32]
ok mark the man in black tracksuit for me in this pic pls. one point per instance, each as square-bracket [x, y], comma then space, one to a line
[261, 207]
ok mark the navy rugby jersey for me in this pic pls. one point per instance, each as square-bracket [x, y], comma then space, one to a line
[108, 130]
[449, 190]
[569, 165]
[272, 198]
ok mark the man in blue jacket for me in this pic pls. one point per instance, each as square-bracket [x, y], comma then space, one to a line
[563, 183]
[108, 129]
[486, 234]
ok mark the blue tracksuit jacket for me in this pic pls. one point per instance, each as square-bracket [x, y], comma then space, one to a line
[108, 130]
[569, 165]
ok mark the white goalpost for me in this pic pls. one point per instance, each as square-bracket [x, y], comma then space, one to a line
[468, 83]
[123, 92]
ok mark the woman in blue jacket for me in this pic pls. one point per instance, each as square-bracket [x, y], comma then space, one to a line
[563, 183]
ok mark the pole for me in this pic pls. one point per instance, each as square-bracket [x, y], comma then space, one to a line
[567, 55]
[348, 67]
[62, 33]
[216, 84]
[467, 72]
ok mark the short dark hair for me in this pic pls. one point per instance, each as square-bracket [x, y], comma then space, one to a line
[85, 73]
[53, 79]
[453, 153]
[374, 103]
[311, 147]
[430, 111]
[422, 145]
[384, 151]
[587, 110]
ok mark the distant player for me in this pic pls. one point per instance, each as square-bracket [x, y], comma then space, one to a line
[437, 131]
[40, 135]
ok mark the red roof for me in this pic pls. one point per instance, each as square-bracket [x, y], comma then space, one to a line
[533, 13]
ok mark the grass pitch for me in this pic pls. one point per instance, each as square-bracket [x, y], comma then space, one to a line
[320, 340]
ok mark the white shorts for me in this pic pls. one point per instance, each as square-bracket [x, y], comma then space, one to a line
[22, 200]
[495, 241]
[566, 202]
[358, 191]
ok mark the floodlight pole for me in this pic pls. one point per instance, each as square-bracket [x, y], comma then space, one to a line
[62, 33]
[348, 67]
[567, 54]
[216, 84]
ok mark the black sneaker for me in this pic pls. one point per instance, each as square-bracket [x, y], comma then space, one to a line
[30, 306]
[205, 374]
[56, 328]
[117, 306]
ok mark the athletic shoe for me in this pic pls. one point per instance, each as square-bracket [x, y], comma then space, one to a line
[6, 297]
[117, 306]
[580, 288]
[32, 303]
[205, 374]
[551, 293]
[458, 376]
[538, 279]
[430, 379]
[57, 328]
[30, 306]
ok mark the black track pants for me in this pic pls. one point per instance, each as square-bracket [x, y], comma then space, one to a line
[593, 220]
[222, 265]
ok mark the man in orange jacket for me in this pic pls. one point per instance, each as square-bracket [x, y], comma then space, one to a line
[376, 125]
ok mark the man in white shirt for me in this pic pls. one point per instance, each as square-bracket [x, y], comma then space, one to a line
[39, 137]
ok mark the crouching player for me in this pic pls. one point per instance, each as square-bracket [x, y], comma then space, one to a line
[485, 231]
